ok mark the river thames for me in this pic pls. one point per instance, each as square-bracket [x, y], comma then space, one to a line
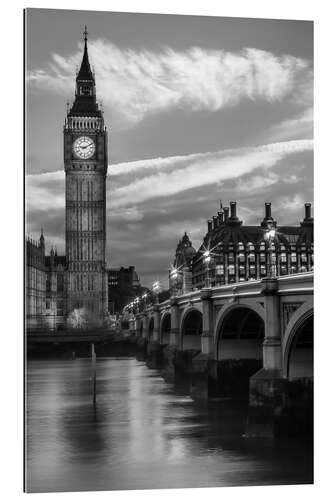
[142, 434]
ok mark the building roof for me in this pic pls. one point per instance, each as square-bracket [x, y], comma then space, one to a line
[184, 252]
[224, 231]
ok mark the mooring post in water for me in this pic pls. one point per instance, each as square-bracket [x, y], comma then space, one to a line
[93, 359]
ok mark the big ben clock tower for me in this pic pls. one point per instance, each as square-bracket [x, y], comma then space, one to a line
[85, 158]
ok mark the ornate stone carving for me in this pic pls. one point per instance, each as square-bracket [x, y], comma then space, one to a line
[288, 311]
[217, 309]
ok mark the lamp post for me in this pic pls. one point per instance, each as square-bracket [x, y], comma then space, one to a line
[207, 259]
[173, 277]
[156, 289]
[270, 236]
[144, 298]
[176, 280]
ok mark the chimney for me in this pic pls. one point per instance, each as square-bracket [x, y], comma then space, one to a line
[220, 216]
[307, 207]
[214, 222]
[226, 213]
[210, 225]
[268, 211]
[233, 206]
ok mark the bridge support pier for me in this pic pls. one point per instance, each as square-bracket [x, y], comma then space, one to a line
[171, 350]
[154, 348]
[204, 367]
[154, 355]
[267, 386]
[141, 351]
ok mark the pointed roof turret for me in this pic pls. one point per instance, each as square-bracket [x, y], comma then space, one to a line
[85, 95]
[85, 72]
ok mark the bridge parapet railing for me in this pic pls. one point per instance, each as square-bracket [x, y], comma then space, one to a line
[301, 282]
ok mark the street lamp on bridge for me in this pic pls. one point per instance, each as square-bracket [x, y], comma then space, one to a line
[156, 289]
[176, 279]
[270, 237]
[207, 259]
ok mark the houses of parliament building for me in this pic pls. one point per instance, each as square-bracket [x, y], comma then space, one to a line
[58, 285]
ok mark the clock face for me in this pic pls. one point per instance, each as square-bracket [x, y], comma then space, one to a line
[84, 147]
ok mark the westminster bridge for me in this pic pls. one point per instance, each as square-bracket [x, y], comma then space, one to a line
[252, 339]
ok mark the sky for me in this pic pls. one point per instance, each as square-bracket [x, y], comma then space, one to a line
[198, 110]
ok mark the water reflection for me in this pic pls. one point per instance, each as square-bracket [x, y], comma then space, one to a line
[141, 434]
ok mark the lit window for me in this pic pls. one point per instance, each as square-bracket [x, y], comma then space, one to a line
[241, 257]
[262, 269]
[303, 257]
[283, 270]
[219, 269]
[231, 257]
[293, 257]
[283, 257]
[241, 270]
[262, 257]
[231, 269]
[252, 270]
[251, 257]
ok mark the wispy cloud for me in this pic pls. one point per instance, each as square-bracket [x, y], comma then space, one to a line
[136, 83]
[164, 177]
[299, 126]
[200, 170]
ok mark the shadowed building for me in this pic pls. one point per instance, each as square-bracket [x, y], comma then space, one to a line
[123, 287]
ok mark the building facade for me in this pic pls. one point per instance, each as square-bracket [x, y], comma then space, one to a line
[45, 287]
[35, 280]
[233, 252]
[123, 287]
[180, 275]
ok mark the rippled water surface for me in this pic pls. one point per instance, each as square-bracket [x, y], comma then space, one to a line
[141, 434]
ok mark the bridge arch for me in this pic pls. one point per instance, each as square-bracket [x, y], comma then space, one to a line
[239, 337]
[191, 329]
[255, 307]
[165, 327]
[298, 345]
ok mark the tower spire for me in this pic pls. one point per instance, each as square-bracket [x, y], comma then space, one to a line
[85, 103]
[85, 72]
[85, 34]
